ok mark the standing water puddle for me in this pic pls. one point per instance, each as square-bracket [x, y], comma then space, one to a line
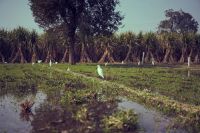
[12, 119]
[151, 121]
[48, 116]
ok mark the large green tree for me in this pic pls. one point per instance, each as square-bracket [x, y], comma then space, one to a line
[19, 38]
[179, 22]
[129, 39]
[50, 13]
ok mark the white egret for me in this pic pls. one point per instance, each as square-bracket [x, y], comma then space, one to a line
[56, 62]
[68, 69]
[122, 62]
[100, 71]
[138, 63]
[39, 61]
[153, 62]
[33, 63]
[50, 63]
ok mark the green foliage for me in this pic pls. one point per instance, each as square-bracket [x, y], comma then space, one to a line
[121, 120]
[171, 82]
[178, 21]
[81, 115]
[164, 48]
[67, 98]
[21, 35]
[128, 38]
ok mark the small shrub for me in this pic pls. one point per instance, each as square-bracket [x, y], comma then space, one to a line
[121, 120]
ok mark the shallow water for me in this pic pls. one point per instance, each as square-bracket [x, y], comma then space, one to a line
[149, 120]
[12, 118]
[48, 115]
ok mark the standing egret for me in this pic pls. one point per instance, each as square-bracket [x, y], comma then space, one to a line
[68, 69]
[122, 62]
[153, 62]
[50, 63]
[138, 63]
[100, 71]
[39, 61]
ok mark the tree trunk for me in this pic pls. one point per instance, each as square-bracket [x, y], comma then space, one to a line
[196, 58]
[20, 55]
[108, 55]
[34, 55]
[110, 58]
[128, 54]
[182, 59]
[33, 58]
[158, 58]
[134, 57]
[48, 57]
[103, 56]
[71, 55]
[167, 52]
[191, 52]
[53, 55]
[84, 55]
[22, 60]
[2, 57]
[64, 56]
[71, 40]
[15, 57]
[152, 57]
[147, 57]
[171, 59]
[12, 55]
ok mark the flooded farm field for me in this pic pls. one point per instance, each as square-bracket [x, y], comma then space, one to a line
[39, 99]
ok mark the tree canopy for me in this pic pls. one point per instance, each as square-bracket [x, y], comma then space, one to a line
[179, 22]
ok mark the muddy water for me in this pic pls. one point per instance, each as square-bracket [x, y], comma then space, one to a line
[12, 119]
[150, 121]
[48, 115]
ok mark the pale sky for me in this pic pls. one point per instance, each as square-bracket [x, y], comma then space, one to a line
[140, 15]
[145, 15]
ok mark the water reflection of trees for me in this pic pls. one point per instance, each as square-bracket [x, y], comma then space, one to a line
[19, 91]
[56, 118]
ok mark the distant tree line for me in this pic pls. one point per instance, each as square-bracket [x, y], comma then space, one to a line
[93, 39]
[21, 46]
